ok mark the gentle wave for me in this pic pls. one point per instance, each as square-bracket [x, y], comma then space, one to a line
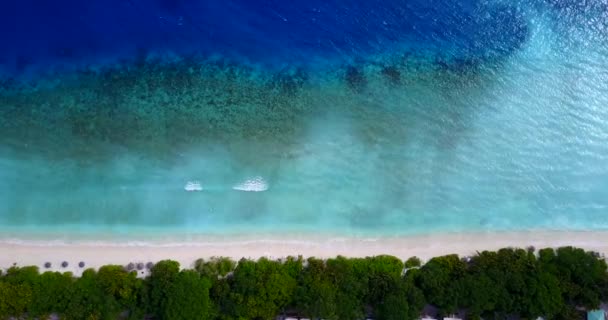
[255, 184]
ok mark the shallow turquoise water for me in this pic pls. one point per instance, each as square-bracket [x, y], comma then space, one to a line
[515, 143]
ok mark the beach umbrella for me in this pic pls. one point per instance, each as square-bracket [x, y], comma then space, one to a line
[81, 264]
[64, 264]
[47, 265]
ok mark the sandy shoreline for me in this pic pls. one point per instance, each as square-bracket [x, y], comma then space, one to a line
[95, 254]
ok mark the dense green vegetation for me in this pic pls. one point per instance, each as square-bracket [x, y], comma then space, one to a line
[551, 283]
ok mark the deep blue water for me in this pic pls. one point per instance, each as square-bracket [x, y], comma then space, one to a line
[378, 117]
[36, 33]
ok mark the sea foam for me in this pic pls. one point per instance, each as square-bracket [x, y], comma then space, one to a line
[255, 184]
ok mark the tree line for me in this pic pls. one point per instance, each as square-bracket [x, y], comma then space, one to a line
[552, 283]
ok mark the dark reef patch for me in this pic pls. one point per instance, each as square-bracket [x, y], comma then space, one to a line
[458, 66]
[290, 81]
[153, 107]
[392, 74]
[158, 108]
[355, 78]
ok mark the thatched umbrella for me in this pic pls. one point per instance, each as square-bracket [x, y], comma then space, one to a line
[47, 265]
[130, 266]
[149, 265]
[64, 264]
[81, 264]
[140, 266]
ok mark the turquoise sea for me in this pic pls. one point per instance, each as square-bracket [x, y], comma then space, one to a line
[339, 117]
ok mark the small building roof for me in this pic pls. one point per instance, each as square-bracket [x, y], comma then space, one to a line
[596, 315]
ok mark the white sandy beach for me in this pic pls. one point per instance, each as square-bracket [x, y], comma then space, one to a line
[96, 254]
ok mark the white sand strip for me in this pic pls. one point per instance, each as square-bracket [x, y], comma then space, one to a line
[96, 254]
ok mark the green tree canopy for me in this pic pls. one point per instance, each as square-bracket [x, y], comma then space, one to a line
[120, 289]
[438, 281]
[581, 275]
[214, 267]
[556, 284]
[50, 293]
[260, 290]
[315, 295]
[160, 284]
[413, 262]
[351, 281]
[188, 298]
